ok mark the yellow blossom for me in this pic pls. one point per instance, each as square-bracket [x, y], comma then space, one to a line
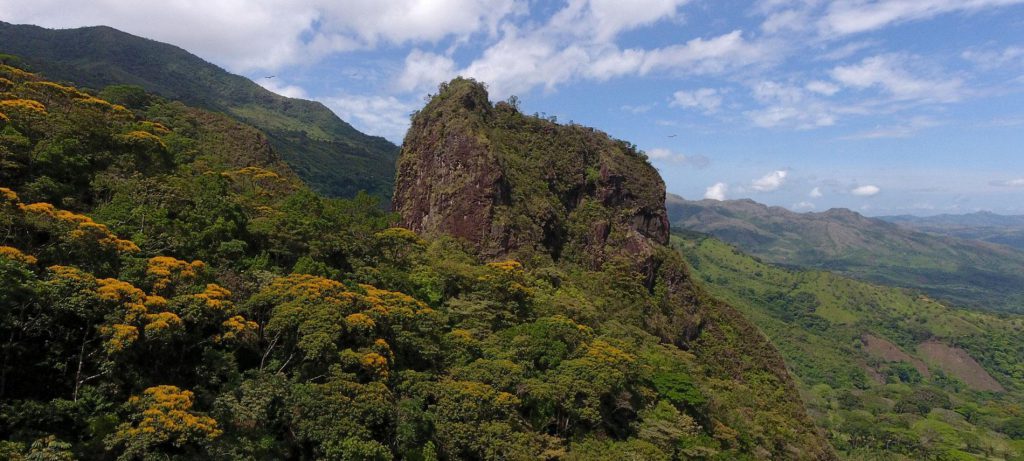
[507, 266]
[165, 270]
[23, 105]
[15, 254]
[121, 336]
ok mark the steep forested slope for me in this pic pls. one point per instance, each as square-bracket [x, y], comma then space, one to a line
[968, 273]
[172, 291]
[327, 153]
[887, 373]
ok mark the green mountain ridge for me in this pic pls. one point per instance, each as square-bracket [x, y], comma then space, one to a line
[325, 151]
[887, 373]
[965, 272]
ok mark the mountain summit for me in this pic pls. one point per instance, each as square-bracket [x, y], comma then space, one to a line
[511, 183]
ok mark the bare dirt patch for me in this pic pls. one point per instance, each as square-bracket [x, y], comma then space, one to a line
[883, 349]
[960, 364]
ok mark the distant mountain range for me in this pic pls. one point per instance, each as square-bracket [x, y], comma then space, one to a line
[966, 272]
[983, 225]
[325, 151]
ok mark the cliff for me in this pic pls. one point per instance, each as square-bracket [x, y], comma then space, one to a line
[521, 186]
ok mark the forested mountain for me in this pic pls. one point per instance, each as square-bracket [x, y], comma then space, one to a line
[887, 373]
[983, 225]
[965, 272]
[171, 290]
[326, 152]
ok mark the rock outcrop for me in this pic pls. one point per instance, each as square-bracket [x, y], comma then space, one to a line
[513, 185]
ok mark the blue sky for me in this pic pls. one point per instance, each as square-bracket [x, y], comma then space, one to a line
[881, 106]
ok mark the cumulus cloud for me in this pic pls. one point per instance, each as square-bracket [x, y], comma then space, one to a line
[382, 115]
[667, 155]
[605, 19]
[545, 57]
[803, 206]
[291, 91]
[424, 70]
[865, 191]
[770, 181]
[887, 72]
[717, 191]
[245, 35]
[706, 99]
[815, 193]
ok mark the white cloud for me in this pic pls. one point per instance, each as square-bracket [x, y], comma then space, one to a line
[865, 191]
[424, 70]
[992, 59]
[815, 193]
[789, 105]
[887, 72]
[717, 191]
[770, 181]
[666, 155]
[803, 206]
[853, 16]
[245, 35]
[903, 130]
[823, 88]
[380, 115]
[706, 99]
[291, 91]
[550, 55]
[638, 109]
[604, 19]
[1019, 182]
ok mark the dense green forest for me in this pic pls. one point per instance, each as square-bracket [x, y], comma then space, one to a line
[887, 373]
[330, 156]
[171, 290]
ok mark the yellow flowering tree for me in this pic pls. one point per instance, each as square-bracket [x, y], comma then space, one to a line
[162, 420]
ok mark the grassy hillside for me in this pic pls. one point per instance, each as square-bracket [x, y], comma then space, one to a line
[889, 374]
[965, 272]
[327, 153]
[984, 226]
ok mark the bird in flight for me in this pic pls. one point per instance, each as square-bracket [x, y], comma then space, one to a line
[270, 76]
[672, 135]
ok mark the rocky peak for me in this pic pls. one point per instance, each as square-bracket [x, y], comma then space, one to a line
[510, 183]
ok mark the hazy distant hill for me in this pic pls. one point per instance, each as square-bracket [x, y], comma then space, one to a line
[329, 154]
[967, 272]
[983, 225]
